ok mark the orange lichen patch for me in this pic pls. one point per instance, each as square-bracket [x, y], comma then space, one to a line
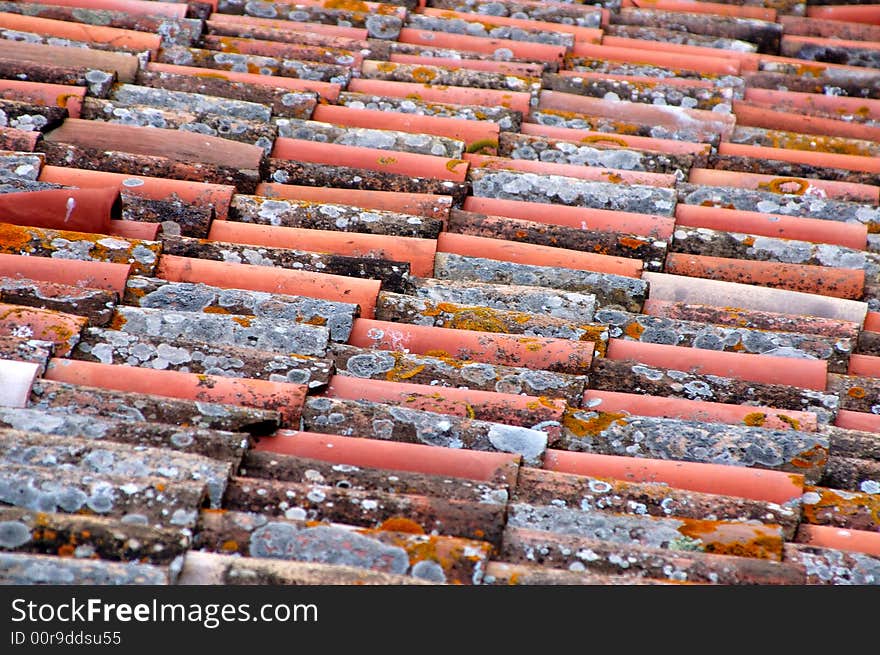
[793, 422]
[401, 524]
[615, 178]
[453, 163]
[386, 66]
[387, 161]
[634, 329]
[67, 550]
[423, 74]
[739, 539]
[229, 546]
[483, 146]
[755, 419]
[243, 321]
[817, 456]
[780, 185]
[317, 320]
[856, 392]
[631, 242]
[590, 423]
[835, 506]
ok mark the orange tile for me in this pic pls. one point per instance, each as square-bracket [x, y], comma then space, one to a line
[694, 63]
[271, 280]
[681, 82]
[473, 133]
[373, 453]
[541, 353]
[46, 95]
[823, 536]
[828, 159]
[466, 403]
[758, 116]
[528, 253]
[867, 13]
[864, 365]
[527, 50]
[872, 322]
[290, 25]
[593, 173]
[139, 7]
[418, 252]
[155, 188]
[821, 280]
[699, 410]
[738, 481]
[284, 397]
[803, 373]
[851, 235]
[418, 204]
[581, 34]
[747, 60]
[456, 95]
[31, 323]
[112, 36]
[373, 159]
[76, 210]
[72, 272]
[583, 218]
[797, 185]
[864, 108]
[327, 90]
[858, 420]
[701, 7]
[607, 140]
[134, 230]
[490, 66]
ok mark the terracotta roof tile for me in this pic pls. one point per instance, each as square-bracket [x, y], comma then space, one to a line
[632, 243]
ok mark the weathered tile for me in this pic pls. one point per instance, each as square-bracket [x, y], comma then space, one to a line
[380, 421]
[94, 304]
[274, 336]
[78, 400]
[26, 569]
[174, 215]
[398, 366]
[264, 210]
[826, 566]
[610, 290]
[194, 356]
[93, 537]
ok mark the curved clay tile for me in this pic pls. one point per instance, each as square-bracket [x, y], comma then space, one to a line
[526, 50]
[507, 67]
[170, 9]
[288, 25]
[748, 61]
[859, 541]
[120, 39]
[455, 95]
[78, 210]
[51, 95]
[608, 140]
[809, 187]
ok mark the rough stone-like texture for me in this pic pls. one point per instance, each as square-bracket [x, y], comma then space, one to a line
[61, 244]
[120, 405]
[392, 274]
[275, 466]
[507, 119]
[655, 329]
[271, 336]
[580, 554]
[851, 474]
[531, 187]
[486, 29]
[285, 171]
[615, 244]
[611, 291]
[807, 203]
[847, 510]
[330, 216]
[856, 393]
[45, 533]
[174, 215]
[780, 168]
[24, 165]
[428, 557]
[380, 421]
[155, 293]
[283, 102]
[368, 509]
[195, 103]
[767, 35]
[551, 488]
[679, 37]
[26, 569]
[424, 144]
[240, 63]
[94, 304]
[674, 533]
[106, 458]
[570, 306]
[23, 349]
[225, 446]
[605, 151]
[437, 75]
[568, 14]
[25, 116]
[193, 356]
[147, 501]
[825, 566]
[251, 132]
[615, 433]
[401, 308]
[396, 366]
